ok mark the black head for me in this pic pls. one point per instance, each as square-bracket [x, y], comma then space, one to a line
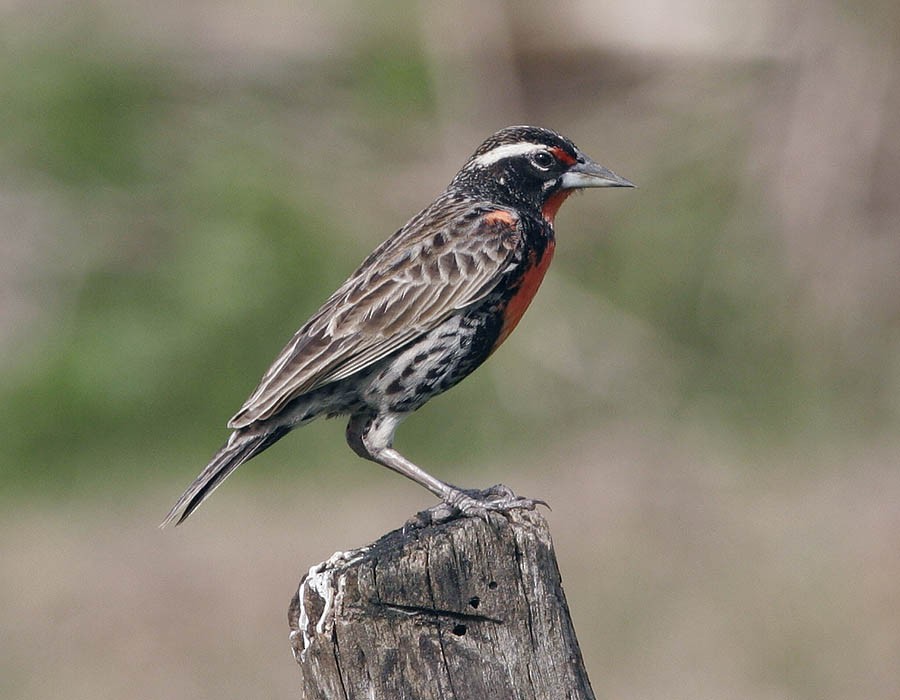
[527, 166]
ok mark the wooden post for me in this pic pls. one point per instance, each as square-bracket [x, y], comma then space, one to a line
[465, 609]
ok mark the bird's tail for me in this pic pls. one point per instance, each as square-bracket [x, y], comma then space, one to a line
[239, 448]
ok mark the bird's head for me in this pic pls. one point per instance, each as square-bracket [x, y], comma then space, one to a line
[531, 167]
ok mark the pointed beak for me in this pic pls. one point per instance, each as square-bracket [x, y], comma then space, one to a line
[591, 174]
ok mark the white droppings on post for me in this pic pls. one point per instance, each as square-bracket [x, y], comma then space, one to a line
[320, 579]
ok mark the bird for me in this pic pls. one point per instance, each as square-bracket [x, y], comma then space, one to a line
[422, 311]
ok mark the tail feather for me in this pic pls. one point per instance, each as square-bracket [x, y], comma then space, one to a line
[239, 448]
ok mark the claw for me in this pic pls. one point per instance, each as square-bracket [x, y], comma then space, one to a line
[476, 503]
[496, 499]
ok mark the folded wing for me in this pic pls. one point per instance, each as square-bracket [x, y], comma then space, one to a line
[430, 269]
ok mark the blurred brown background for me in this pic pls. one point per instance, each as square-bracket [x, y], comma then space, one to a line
[706, 389]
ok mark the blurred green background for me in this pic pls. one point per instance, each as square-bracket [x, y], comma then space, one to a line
[706, 389]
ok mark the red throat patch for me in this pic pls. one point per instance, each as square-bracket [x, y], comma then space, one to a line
[553, 203]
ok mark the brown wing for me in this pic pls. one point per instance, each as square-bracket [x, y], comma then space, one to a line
[443, 260]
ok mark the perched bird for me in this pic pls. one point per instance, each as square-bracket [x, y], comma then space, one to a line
[426, 308]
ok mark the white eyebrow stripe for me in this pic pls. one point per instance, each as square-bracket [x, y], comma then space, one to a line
[507, 150]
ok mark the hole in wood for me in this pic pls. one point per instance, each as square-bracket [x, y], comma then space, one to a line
[474, 601]
[492, 585]
[459, 630]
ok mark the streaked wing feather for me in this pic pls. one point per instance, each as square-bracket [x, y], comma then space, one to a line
[408, 288]
[370, 357]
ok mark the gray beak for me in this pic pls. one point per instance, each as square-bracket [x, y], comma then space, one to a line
[591, 174]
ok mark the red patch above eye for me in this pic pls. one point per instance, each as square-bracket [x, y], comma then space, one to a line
[562, 156]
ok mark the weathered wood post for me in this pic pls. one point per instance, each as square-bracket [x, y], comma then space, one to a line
[464, 609]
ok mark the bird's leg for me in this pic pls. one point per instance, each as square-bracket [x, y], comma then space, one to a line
[371, 437]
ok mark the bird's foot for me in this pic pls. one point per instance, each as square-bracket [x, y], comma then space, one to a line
[479, 503]
[496, 499]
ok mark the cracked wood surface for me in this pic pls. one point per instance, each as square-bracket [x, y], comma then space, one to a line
[464, 609]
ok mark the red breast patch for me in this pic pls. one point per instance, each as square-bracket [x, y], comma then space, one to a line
[528, 287]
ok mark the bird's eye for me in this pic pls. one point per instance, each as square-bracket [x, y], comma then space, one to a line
[542, 159]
